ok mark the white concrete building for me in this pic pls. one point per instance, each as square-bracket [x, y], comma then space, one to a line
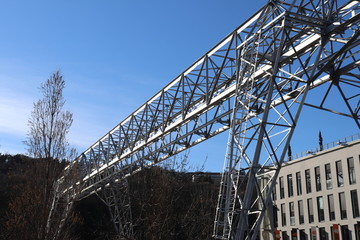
[318, 194]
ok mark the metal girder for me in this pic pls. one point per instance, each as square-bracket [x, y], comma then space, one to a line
[255, 83]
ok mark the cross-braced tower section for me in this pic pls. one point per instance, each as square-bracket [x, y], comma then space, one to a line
[285, 50]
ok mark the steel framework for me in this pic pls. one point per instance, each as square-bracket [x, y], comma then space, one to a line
[253, 83]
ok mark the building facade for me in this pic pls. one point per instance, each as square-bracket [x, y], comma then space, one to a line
[317, 196]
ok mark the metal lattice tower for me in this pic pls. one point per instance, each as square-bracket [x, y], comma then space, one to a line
[293, 48]
[253, 83]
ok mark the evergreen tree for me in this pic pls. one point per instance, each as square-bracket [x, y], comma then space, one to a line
[321, 141]
[289, 153]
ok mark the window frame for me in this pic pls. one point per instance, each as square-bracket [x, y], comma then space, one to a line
[328, 176]
[282, 187]
[301, 212]
[283, 214]
[320, 208]
[310, 208]
[298, 183]
[342, 205]
[290, 185]
[331, 207]
[351, 170]
[339, 173]
[308, 180]
[355, 203]
[317, 179]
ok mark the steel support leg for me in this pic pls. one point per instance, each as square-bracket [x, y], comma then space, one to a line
[116, 197]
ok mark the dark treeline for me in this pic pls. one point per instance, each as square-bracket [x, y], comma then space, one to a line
[165, 204]
[25, 194]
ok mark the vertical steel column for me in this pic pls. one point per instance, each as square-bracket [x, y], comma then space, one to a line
[65, 193]
[116, 197]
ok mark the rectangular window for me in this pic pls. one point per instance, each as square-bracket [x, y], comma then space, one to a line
[292, 213]
[320, 207]
[294, 233]
[298, 183]
[284, 235]
[342, 205]
[302, 234]
[317, 179]
[339, 173]
[274, 193]
[351, 169]
[331, 207]
[301, 211]
[290, 185]
[275, 211]
[355, 203]
[345, 233]
[310, 210]
[322, 233]
[308, 181]
[357, 231]
[328, 176]
[283, 214]
[281, 183]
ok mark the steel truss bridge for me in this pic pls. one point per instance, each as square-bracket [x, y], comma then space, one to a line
[254, 84]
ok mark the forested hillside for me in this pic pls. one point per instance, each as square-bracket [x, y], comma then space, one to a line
[25, 193]
[165, 204]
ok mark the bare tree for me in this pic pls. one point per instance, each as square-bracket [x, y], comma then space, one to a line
[49, 124]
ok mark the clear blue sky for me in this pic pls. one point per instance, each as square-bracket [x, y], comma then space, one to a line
[115, 55]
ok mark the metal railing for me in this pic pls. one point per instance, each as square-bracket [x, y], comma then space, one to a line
[342, 141]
